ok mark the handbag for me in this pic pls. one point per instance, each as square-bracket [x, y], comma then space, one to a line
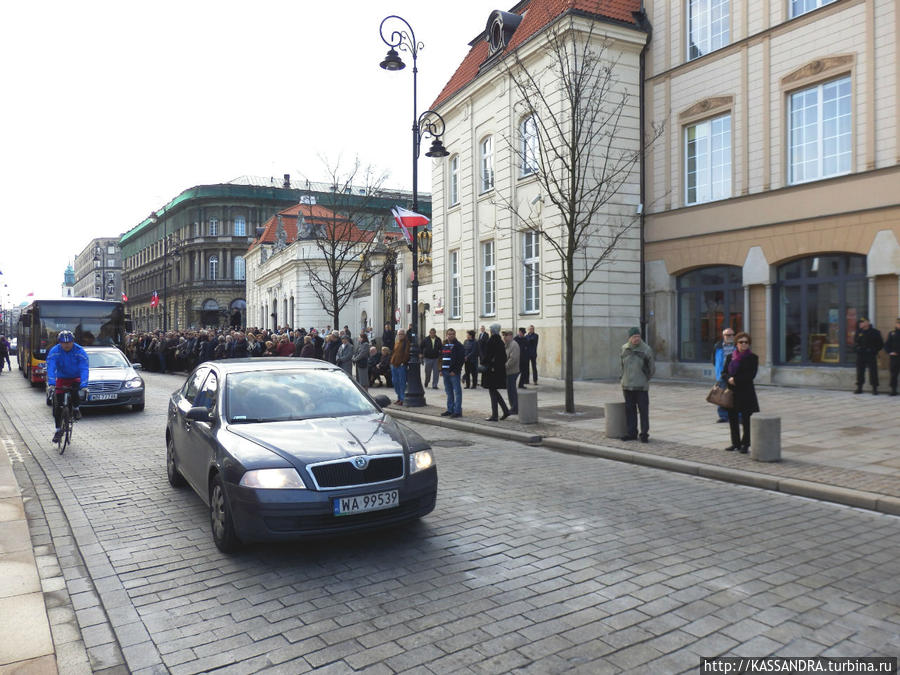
[724, 398]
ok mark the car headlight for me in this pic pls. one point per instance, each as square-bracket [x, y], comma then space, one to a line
[134, 383]
[419, 461]
[273, 479]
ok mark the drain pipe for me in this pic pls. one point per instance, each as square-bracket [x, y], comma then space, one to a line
[644, 23]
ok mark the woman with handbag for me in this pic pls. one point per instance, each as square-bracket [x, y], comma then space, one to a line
[493, 369]
[739, 371]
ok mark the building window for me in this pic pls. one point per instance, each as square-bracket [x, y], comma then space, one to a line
[240, 226]
[531, 270]
[528, 150]
[455, 287]
[820, 300]
[488, 279]
[710, 299]
[213, 268]
[487, 164]
[799, 7]
[820, 131]
[708, 160]
[213, 227]
[240, 268]
[454, 180]
[707, 26]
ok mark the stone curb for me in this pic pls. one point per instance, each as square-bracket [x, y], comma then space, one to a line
[802, 488]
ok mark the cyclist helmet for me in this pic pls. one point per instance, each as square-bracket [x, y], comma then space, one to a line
[65, 336]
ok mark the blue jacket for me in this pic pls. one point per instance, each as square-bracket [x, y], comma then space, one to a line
[73, 363]
[719, 356]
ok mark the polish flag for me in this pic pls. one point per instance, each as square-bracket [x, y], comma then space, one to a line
[408, 220]
[124, 297]
[154, 299]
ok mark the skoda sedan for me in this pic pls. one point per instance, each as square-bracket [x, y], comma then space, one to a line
[293, 448]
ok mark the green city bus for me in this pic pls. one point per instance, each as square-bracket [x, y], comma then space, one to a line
[93, 321]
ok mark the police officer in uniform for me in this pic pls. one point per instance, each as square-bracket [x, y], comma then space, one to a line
[892, 347]
[868, 343]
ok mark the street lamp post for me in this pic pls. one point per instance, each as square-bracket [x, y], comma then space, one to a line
[429, 123]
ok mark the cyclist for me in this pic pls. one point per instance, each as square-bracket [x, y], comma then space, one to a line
[67, 368]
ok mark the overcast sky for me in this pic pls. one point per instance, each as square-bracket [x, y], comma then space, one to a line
[111, 108]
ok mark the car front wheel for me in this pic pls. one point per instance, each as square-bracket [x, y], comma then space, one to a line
[220, 518]
[175, 478]
[137, 407]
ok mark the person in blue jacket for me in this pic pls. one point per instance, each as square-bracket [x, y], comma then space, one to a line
[721, 351]
[67, 368]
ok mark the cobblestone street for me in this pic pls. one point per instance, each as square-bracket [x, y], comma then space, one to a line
[534, 561]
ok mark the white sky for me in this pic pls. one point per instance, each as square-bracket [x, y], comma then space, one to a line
[112, 108]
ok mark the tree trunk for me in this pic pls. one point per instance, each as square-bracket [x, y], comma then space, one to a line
[569, 348]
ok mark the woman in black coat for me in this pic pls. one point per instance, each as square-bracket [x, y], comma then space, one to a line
[739, 370]
[494, 376]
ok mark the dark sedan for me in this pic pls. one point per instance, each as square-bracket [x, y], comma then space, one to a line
[291, 448]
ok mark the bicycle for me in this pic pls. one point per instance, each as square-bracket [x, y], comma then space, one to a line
[66, 420]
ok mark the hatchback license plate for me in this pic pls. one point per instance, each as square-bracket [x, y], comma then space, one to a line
[345, 506]
[102, 397]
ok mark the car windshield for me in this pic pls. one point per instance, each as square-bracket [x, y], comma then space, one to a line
[106, 359]
[280, 395]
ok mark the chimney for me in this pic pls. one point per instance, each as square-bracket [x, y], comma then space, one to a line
[287, 181]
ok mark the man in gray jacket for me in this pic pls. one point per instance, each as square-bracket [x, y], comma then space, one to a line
[638, 367]
[512, 371]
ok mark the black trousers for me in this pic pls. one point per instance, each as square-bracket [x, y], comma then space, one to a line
[637, 402]
[863, 363]
[895, 370]
[58, 405]
[497, 400]
[737, 421]
[470, 374]
[533, 361]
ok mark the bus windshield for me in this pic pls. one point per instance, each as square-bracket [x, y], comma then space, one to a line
[92, 325]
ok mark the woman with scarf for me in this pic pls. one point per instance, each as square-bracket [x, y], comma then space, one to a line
[739, 370]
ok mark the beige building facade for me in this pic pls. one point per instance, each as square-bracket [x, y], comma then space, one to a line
[487, 266]
[772, 203]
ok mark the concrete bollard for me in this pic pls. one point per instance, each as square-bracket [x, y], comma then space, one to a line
[528, 413]
[616, 426]
[765, 438]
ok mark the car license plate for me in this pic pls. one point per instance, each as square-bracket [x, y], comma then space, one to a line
[101, 397]
[344, 506]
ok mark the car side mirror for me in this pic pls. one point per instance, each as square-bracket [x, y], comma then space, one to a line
[137, 366]
[382, 400]
[200, 413]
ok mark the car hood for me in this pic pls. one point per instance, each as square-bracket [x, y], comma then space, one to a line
[111, 374]
[323, 439]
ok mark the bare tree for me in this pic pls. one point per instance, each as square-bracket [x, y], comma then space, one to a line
[584, 147]
[344, 235]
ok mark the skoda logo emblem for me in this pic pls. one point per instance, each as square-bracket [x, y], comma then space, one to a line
[360, 462]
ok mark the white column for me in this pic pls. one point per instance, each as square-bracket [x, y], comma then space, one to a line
[871, 316]
[376, 303]
[402, 298]
[746, 308]
[770, 326]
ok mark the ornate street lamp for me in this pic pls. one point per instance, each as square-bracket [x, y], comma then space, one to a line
[425, 246]
[429, 123]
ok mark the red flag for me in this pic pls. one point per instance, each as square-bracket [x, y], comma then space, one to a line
[407, 218]
[30, 295]
[154, 299]
[124, 297]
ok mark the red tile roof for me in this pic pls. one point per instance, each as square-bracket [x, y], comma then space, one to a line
[538, 14]
[314, 214]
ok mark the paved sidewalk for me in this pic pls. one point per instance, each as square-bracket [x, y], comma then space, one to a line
[836, 446]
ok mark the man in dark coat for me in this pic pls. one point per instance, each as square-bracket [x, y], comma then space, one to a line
[532, 339]
[523, 357]
[892, 347]
[494, 377]
[868, 343]
[483, 338]
[388, 337]
[207, 349]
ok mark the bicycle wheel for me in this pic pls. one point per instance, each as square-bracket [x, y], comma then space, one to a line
[66, 428]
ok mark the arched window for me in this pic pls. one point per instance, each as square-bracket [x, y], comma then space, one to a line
[240, 268]
[213, 268]
[528, 148]
[487, 164]
[820, 299]
[709, 300]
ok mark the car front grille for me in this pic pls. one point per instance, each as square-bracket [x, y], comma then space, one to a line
[101, 387]
[334, 475]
